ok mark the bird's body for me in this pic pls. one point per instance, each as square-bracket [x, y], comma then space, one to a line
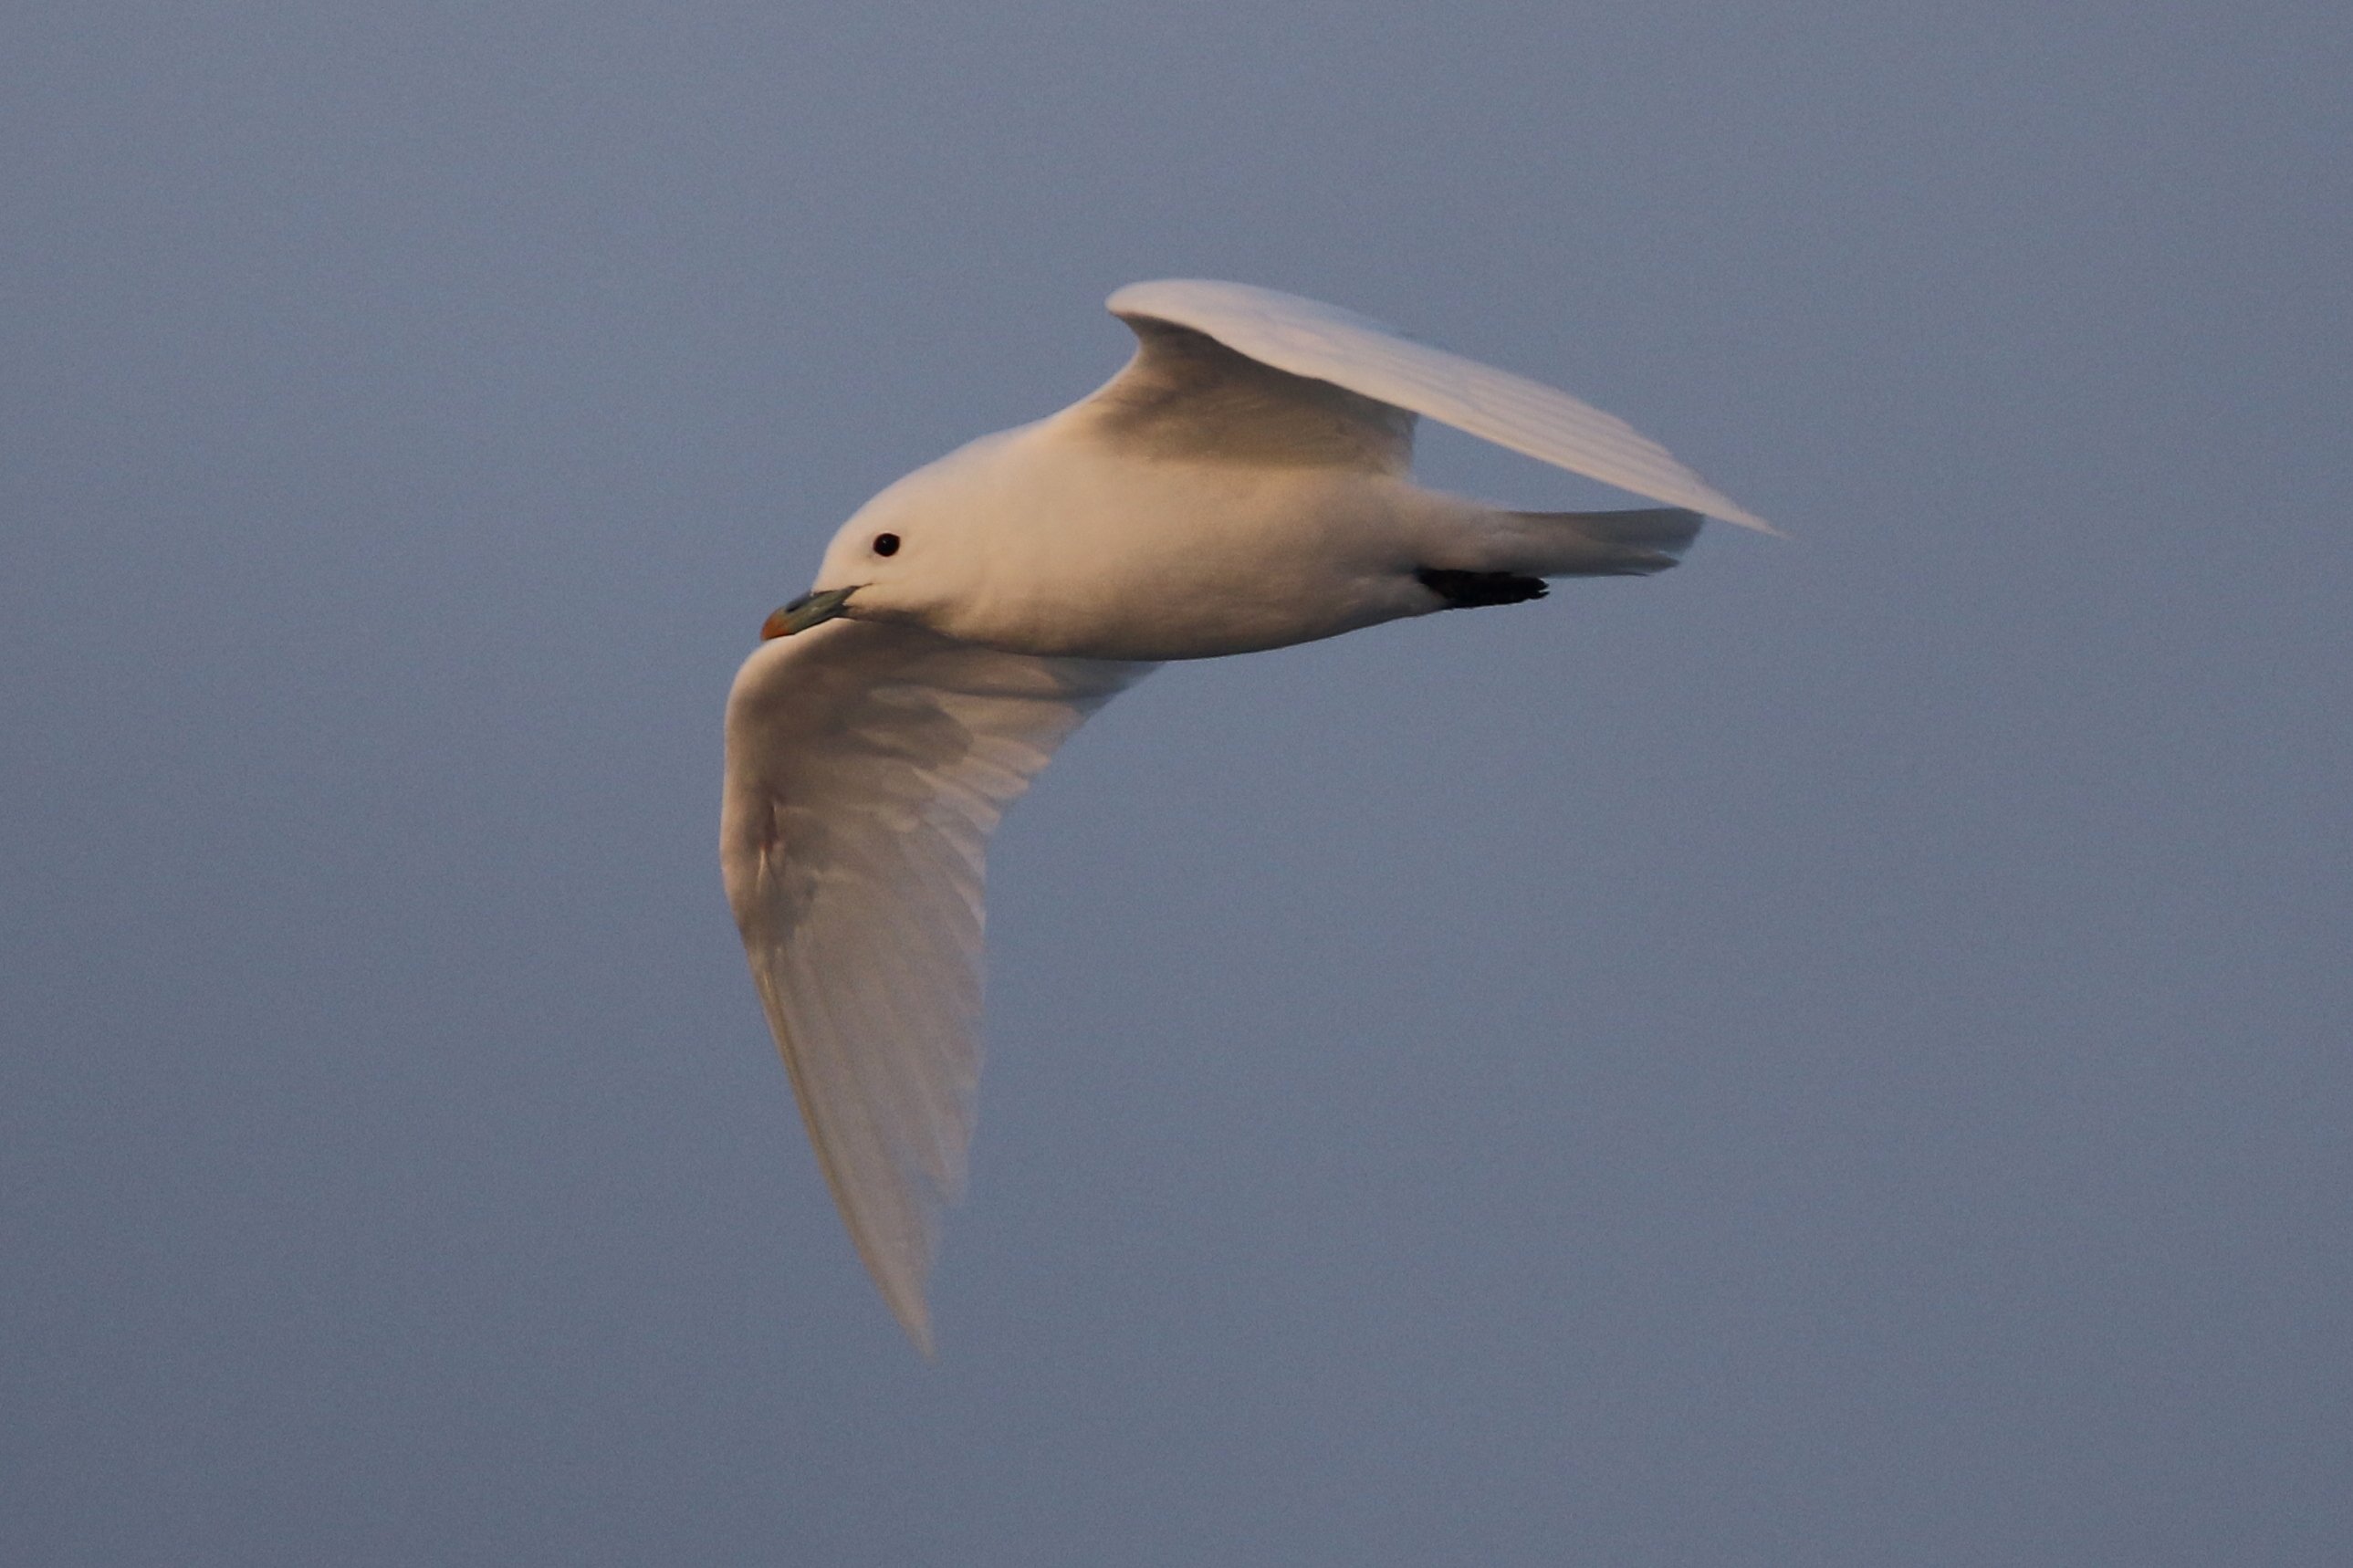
[1242, 485]
[1080, 546]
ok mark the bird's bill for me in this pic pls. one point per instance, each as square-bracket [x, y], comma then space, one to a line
[804, 612]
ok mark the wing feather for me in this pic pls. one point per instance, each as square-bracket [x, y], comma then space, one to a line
[1186, 394]
[1305, 338]
[867, 766]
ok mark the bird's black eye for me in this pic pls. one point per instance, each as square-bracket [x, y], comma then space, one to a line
[886, 544]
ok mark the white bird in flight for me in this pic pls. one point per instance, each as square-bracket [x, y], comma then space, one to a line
[1242, 484]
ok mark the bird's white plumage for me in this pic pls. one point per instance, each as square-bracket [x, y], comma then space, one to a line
[866, 767]
[1312, 339]
[1242, 484]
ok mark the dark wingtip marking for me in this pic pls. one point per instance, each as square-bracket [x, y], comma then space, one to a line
[1469, 590]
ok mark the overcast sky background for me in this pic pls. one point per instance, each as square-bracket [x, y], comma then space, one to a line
[1834, 1056]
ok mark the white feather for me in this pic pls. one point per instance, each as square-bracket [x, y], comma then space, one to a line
[866, 767]
[1324, 343]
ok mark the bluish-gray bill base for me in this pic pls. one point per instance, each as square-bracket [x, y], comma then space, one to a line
[1242, 484]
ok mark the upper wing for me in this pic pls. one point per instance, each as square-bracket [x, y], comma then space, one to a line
[1363, 357]
[1187, 394]
[866, 767]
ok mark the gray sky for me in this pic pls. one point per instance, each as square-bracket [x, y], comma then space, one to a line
[1834, 1056]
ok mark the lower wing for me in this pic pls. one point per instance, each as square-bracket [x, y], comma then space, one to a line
[867, 766]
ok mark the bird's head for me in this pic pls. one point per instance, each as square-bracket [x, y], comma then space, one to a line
[898, 559]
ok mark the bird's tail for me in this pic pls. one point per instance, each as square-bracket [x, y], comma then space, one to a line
[1604, 543]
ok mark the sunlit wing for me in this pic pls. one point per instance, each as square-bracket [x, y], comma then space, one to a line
[1186, 395]
[866, 766]
[1371, 367]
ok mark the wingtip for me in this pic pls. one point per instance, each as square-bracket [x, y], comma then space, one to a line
[903, 1294]
[1711, 502]
[1748, 519]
